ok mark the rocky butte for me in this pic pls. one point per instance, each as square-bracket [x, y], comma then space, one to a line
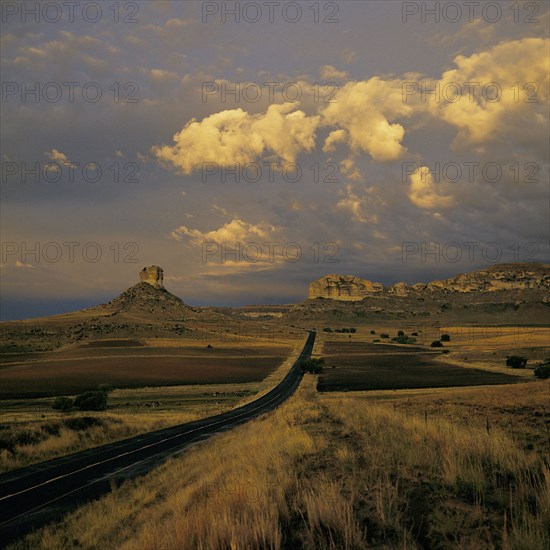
[153, 275]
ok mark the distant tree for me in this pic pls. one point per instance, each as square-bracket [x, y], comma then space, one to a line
[373, 332]
[91, 401]
[327, 329]
[313, 365]
[436, 344]
[105, 388]
[400, 333]
[376, 340]
[516, 361]
[445, 338]
[414, 333]
[63, 404]
[384, 335]
[542, 370]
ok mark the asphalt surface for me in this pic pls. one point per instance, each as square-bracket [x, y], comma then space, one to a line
[36, 495]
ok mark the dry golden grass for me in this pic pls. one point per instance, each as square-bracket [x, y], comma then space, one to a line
[338, 471]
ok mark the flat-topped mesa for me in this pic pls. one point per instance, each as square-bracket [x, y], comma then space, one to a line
[152, 275]
[343, 287]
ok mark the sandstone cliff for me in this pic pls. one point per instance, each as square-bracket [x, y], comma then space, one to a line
[519, 276]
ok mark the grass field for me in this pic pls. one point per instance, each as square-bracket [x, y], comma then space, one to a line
[423, 467]
[336, 470]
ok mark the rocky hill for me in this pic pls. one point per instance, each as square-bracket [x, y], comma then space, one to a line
[148, 299]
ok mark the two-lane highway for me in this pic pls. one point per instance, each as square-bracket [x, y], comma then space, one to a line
[33, 496]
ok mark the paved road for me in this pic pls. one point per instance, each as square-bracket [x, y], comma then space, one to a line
[33, 496]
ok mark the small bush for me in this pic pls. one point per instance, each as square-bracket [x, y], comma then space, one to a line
[400, 333]
[63, 404]
[376, 340]
[373, 332]
[384, 335]
[436, 344]
[327, 329]
[445, 338]
[91, 401]
[516, 361]
[414, 333]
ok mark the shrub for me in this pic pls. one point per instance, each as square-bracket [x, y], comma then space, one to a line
[404, 339]
[400, 333]
[327, 329]
[436, 344]
[313, 365]
[516, 361]
[543, 370]
[445, 338]
[414, 333]
[373, 332]
[51, 429]
[384, 335]
[82, 423]
[105, 388]
[63, 404]
[376, 340]
[91, 401]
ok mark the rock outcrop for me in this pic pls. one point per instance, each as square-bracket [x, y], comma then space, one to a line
[152, 275]
[520, 276]
[343, 287]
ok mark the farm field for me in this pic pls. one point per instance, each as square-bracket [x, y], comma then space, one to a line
[136, 364]
[31, 431]
[367, 366]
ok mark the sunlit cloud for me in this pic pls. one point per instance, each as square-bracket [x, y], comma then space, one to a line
[237, 137]
[423, 192]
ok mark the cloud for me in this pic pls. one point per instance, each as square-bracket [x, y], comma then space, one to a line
[333, 139]
[236, 246]
[59, 158]
[423, 193]
[329, 72]
[366, 111]
[358, 207]
[235, 231]
[518, 71]
[236, 137]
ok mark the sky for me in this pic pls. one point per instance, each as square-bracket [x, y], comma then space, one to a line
[249, 148]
